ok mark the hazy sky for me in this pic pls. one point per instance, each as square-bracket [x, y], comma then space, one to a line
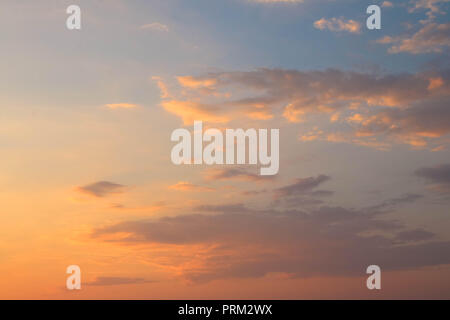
[86, 176]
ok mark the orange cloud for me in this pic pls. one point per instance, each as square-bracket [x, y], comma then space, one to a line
[121, 106]
[435, 83]
[195, 83]
[338, 24]
[187, 186]
[190, 111]
[298, 95]
[162, 87]
[431, 38]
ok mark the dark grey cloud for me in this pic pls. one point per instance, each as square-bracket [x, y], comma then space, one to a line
[403, 199]
[226, 208]
[302, 186]
[235, 173]
[254, 192]
[322, 193]
[115, 281]
[414, 235]
[299, 201]
[438, 176]
[101, 188]
[243, 242]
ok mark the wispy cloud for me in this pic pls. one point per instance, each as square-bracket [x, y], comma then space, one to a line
[121, 105]
[157, 26]
[187, 186]
[162, 87]
[218, 174]
[431, 38]
[190, 111]
[302, 186]
[101, 189]
[414, 235]
[338, 25]
[116, 281]
[432, 8]
[438, 176]
[277, 1]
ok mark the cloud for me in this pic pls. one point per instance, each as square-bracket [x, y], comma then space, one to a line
[439, 176]
[162, 87]
[374, 110]
[101, 189]
[412, 125]
[121, 106]
[225, 208]
[116, 281]
[196, 83]
[156, 206]
[277, 1]
[155, 26]
[387, 4]
[431, 38]
[190, 111]
[432, 8]
[324, 91]
[406, 198]
[301, 186]
[239, 242]
[235, 173]
[301, 193]
[414, 235]
[187, 186]
[338, 24]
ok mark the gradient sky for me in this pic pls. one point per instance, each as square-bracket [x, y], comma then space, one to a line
[86, 176]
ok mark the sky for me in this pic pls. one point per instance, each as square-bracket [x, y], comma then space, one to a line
[86, 176]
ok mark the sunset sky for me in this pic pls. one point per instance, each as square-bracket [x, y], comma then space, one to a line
[86, 176]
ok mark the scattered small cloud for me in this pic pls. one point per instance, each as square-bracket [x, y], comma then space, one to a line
[431, 7]
[301, 186]
[101, 189]
[338, 24]
[155, 26]
[431, 38]
[187, 186]
[121, 106]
